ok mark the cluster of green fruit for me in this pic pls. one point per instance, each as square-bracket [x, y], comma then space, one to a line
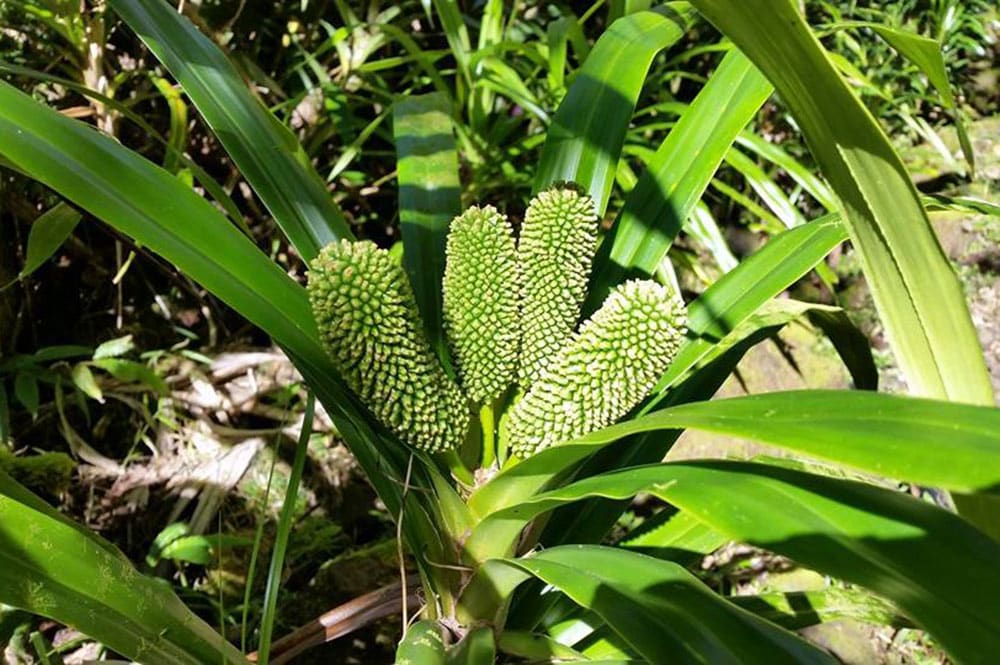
[511, 310]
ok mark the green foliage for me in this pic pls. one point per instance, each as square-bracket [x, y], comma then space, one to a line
[608, 367]
[480, 293]
[555, 250]
[372, 359]
[368, 319]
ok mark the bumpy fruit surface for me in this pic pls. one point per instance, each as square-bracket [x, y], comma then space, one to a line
[606, 370]
[557, 244]
[481, 302]
[368, 319]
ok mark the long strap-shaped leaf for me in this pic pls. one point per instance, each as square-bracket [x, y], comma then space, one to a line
[955, 446]
[429, 198]
[266, 152]
[677, 175]
[54, 568]
[916, 291]
[881, 539]
[585, 140]
[664, 612]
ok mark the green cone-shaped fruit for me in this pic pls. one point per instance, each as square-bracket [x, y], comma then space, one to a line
[606, 370]
[558, 240]
[367, 317]
[480, 302]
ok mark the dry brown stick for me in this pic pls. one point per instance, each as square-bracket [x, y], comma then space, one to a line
[343, 620]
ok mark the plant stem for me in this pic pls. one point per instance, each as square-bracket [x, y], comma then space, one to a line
[458, 468]
[487, 419]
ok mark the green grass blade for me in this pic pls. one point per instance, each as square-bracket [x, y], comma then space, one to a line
[277, 567]
[429, 198]
[884, 540]
[147, 203]
[54, 568]
[678, 174]
[664, 612]
[585, 139]
[266, 152]
[918, 296]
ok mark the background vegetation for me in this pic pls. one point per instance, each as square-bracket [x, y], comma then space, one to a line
[149, 411]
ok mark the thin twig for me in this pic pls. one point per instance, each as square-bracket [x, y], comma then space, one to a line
[399, 543]
[342, 620]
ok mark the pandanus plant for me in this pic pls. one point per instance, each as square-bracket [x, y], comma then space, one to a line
[506, 437]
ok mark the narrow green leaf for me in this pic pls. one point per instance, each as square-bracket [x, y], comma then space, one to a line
[886, 541]
[55, 569]
[535, 647]
[928, 56]
[676, 536]
[266, 152]
[147, 203]
[677, 175]
[585, 140]
[799, 609]
[742, 291]
[429, 198]
[931, 442]
[918, 296]
[665, 613]
[476, 648]
[851, 344]
[129, 371]
[60, 352]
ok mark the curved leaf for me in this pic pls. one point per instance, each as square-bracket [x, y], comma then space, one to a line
[886, 541]
[931, 442]
[664, 612]
[917, 293]
[266, 152]
[421, 645]
[677, 175]
[54, 568]
[585, 139]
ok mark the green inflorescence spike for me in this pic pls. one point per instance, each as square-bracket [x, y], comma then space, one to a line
[558, 240]
[367, 317]
[481, 301]
[607, 369]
